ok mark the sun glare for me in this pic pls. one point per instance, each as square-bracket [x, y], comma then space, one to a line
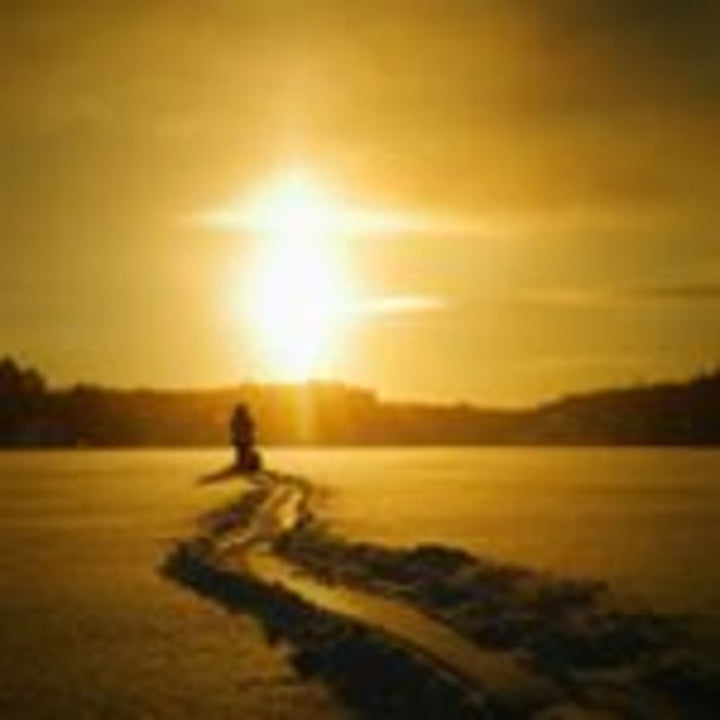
[298, 293]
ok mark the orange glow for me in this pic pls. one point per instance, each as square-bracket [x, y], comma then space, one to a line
[299, 290]
[300, 294]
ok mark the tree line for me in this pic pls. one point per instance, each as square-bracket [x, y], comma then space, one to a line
[32, 414]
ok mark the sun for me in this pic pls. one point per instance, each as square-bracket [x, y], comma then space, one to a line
[298, 293]
[299, 289]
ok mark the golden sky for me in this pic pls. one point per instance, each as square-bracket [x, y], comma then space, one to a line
[562, 155]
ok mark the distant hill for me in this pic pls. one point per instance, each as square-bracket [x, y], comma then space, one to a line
[34, 415]
[686, 413]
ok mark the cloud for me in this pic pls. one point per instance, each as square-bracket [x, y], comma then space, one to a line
[683, 291]
[700, 292]
[402, 304]
[596, 360]
[665, 39]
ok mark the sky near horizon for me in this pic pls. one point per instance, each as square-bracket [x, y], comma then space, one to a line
[558, 162]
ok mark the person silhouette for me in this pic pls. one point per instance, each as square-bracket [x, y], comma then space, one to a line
[242, 436]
